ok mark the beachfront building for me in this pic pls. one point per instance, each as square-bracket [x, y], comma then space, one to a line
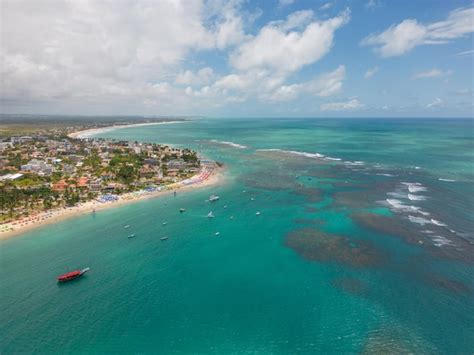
[38, 166]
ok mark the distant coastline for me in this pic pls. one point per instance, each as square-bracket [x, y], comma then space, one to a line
[87, 132]
[209, 174]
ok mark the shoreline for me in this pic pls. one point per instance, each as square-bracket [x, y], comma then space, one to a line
[83, 134]
[207, 176]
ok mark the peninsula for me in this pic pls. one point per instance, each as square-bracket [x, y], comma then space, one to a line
[59, 172]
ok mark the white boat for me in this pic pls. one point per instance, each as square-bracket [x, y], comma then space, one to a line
[131, 236]
[258, 213]
[164, 223]
[163, 238]
[213, 198]
[217, 233]
[210, 215]
[127, 226]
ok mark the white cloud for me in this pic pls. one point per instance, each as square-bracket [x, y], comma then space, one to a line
[96, 53]
[463, 92]
[432, 73]
[284, 93]
[466, 53]
[400, 39]
[372, 4]
[327, 84]
[371, 72]
[268, 86]
[277, 48]
[326, 6]
[229, 29]
[202, 77]
[436, 103]
[350, 105]
[282, 3]
[69, 49]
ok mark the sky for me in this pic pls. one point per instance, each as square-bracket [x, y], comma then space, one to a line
[236, 58]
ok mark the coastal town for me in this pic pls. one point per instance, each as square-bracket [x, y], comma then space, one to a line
[47, 172]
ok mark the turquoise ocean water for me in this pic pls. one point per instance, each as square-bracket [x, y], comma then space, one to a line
[364, 244]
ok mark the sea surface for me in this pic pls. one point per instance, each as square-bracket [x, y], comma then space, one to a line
[364, 244]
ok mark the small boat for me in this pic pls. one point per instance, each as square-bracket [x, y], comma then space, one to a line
[181, 210]
[210, 215]
[252, 199]
[127, 226]
[213, 198]
[231, 217]
[258, 213]
[217, 233]
[164, 238]
[164, 223]
[131, 236]
[225, 206]
[72, 275]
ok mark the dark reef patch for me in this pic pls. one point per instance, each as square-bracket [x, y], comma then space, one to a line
[387, 225]
[351, 285]
[395, 341]
[447, 284]
[272, 181]
[311, 194]
[353, 199]
[317, 222]
[459, 249]
[319, 246]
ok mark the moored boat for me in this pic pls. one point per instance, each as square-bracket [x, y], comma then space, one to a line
[213, 198]
[210, 215]
[72, 275]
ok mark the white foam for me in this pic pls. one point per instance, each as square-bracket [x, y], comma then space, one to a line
[354, 163]
[447, 180]
[414, 187]
[438, 223]
[293, 152]
[416, 197]
[440, 241]
[419, 220]
[335, 159]
[399, 206]
[230, 144]
[384, 174]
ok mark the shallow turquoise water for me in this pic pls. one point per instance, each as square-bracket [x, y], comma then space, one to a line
[368, 286]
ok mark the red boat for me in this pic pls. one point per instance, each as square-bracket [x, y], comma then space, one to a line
[72, 275]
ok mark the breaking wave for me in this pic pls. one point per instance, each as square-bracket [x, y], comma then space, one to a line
[414, 187]
[416, 197]
[293, 152]
[398, 205]
[230, 144]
